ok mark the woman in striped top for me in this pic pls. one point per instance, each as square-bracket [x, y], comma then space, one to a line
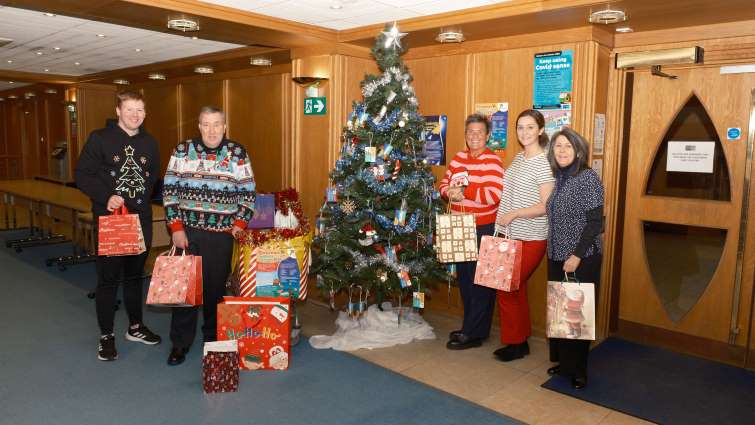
[473, 183]
[527, 184]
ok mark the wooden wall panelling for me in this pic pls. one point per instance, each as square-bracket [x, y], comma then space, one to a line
[255, 121]
[4, 124]
[287, 90]
[55, 122]
[193, 96]
[162, 118]
[95, 104]
[30, 137]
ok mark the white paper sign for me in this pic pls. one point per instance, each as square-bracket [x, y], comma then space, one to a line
[690, 157]
[599, 136]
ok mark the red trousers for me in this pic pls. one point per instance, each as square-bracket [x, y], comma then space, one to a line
[513, 308]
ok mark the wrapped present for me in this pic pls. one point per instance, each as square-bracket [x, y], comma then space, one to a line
[264, 212]
[274, 268]
[220, 367]
[456, 238]
[262, 326]
[570, 310]
[176, 280]
[120, 234]
[499, 263]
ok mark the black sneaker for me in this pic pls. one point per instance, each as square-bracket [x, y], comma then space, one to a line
[140, 333]
[106, 350]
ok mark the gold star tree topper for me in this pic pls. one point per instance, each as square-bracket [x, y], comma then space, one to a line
[393, 37]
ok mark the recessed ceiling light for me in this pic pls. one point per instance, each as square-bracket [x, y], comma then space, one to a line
[11, 82]
[194, 37]
[101, 35]
[2, 99]
[51, 91]
[13, 96]
[624, 29]
[607, 16]
[77, 63]
[137, 50]
[56, 48]
[39, 53]
[10, 61]
[205, 69]
[450, 35]
[183, 25]
[156, 76]
[49, 14]
[336, 6]
[29, 94]
[47, 69]
[260, 61]
[121, 81]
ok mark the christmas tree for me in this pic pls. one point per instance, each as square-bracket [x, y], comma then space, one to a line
[130, 180]
[375, 229]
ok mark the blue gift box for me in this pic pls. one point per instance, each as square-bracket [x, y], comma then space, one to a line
[264, 212]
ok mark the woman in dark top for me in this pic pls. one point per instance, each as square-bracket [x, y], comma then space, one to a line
[575, 223]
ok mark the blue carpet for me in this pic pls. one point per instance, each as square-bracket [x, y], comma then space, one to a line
[663, 386]
[49, 372]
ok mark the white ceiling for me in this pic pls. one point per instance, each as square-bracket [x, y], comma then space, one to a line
[34, 32]
[353, 13]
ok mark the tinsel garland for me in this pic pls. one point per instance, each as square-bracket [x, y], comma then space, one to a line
[387, 223]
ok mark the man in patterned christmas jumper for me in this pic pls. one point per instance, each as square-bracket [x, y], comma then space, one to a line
[208, 194]
[119, 165]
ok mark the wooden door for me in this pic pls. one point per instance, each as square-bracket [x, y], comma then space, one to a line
[685, 283]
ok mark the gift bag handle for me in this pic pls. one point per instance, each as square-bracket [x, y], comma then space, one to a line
[172, 251]
[573, 279]
[120, 211]
[506, 233]
[448, 208]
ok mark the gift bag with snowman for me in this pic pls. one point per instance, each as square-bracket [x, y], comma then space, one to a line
[262, 327]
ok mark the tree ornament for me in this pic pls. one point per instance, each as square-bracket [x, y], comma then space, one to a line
[396, 170]
[393, 37]
[369, 235]
[402, 123]
[382, 275]
[348, 206]
[391, 96]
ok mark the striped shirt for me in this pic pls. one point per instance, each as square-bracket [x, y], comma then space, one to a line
[521, 189]
[485, 176]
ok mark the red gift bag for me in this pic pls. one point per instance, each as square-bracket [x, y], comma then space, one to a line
[499, 263]
[120, 234]
[176, 280]
[220, 367]
[262, 326]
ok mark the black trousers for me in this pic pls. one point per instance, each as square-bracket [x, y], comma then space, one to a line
[216, 249]
[571, 354]
[479, 301]
[111, 271]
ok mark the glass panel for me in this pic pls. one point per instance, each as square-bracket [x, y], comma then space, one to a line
[691, 124]
[682, 260]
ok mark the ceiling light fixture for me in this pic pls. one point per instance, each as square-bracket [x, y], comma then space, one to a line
[77, 63]
[11, 82]
[258, 61]
[336, 6]
[56, 48]
[51, 91]
[184, 25]
[47, 69]
[29, 94]
[2, 99]
[624, 29]
[607, 16]
[450, 35]
[49, 14]
[121, 82]
[39, 53]
[13, 96]
[195, 37]
[101, 35]
[204, 69]
[137, 50]
[156, 76]
[10, 61]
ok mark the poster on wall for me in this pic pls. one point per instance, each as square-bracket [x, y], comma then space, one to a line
[690, 157]
[434, 135]
[553, 80]
[498, 116]
[555, 119]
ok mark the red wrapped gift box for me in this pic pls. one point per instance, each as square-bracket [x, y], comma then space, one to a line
[220, 367]
[262, 326]
[176, 280]
[499, 263]
[120, 234]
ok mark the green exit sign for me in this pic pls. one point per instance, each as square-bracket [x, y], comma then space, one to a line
[315, 106]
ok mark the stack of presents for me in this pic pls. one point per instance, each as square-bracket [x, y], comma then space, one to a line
[270, 268]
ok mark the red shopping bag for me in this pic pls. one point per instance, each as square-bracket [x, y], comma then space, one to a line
[176, 280]
[120, 234]
[499, 263]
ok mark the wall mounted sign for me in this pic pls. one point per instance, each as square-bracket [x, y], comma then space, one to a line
[315, 106]
[498, 116]
[434, 135]
[553, 80]
[690, 157]
[733, 133]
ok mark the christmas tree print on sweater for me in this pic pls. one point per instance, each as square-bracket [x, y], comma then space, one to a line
[130, 181]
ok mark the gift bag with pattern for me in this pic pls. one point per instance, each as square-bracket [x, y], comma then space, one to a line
[456, 237]
[120, 234]
[220, 367]
[176, 280]
[570, 311]
[499, 263]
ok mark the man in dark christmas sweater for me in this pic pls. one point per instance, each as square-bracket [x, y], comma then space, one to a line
[208, 193]
[119, 165]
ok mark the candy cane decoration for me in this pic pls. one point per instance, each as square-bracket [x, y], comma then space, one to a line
[249, 280]
[304, 275]
[396, 169]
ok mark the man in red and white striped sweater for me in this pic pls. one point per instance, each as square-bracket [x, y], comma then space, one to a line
[473, 183]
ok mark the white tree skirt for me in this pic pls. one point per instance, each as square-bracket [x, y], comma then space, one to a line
[376, 329]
